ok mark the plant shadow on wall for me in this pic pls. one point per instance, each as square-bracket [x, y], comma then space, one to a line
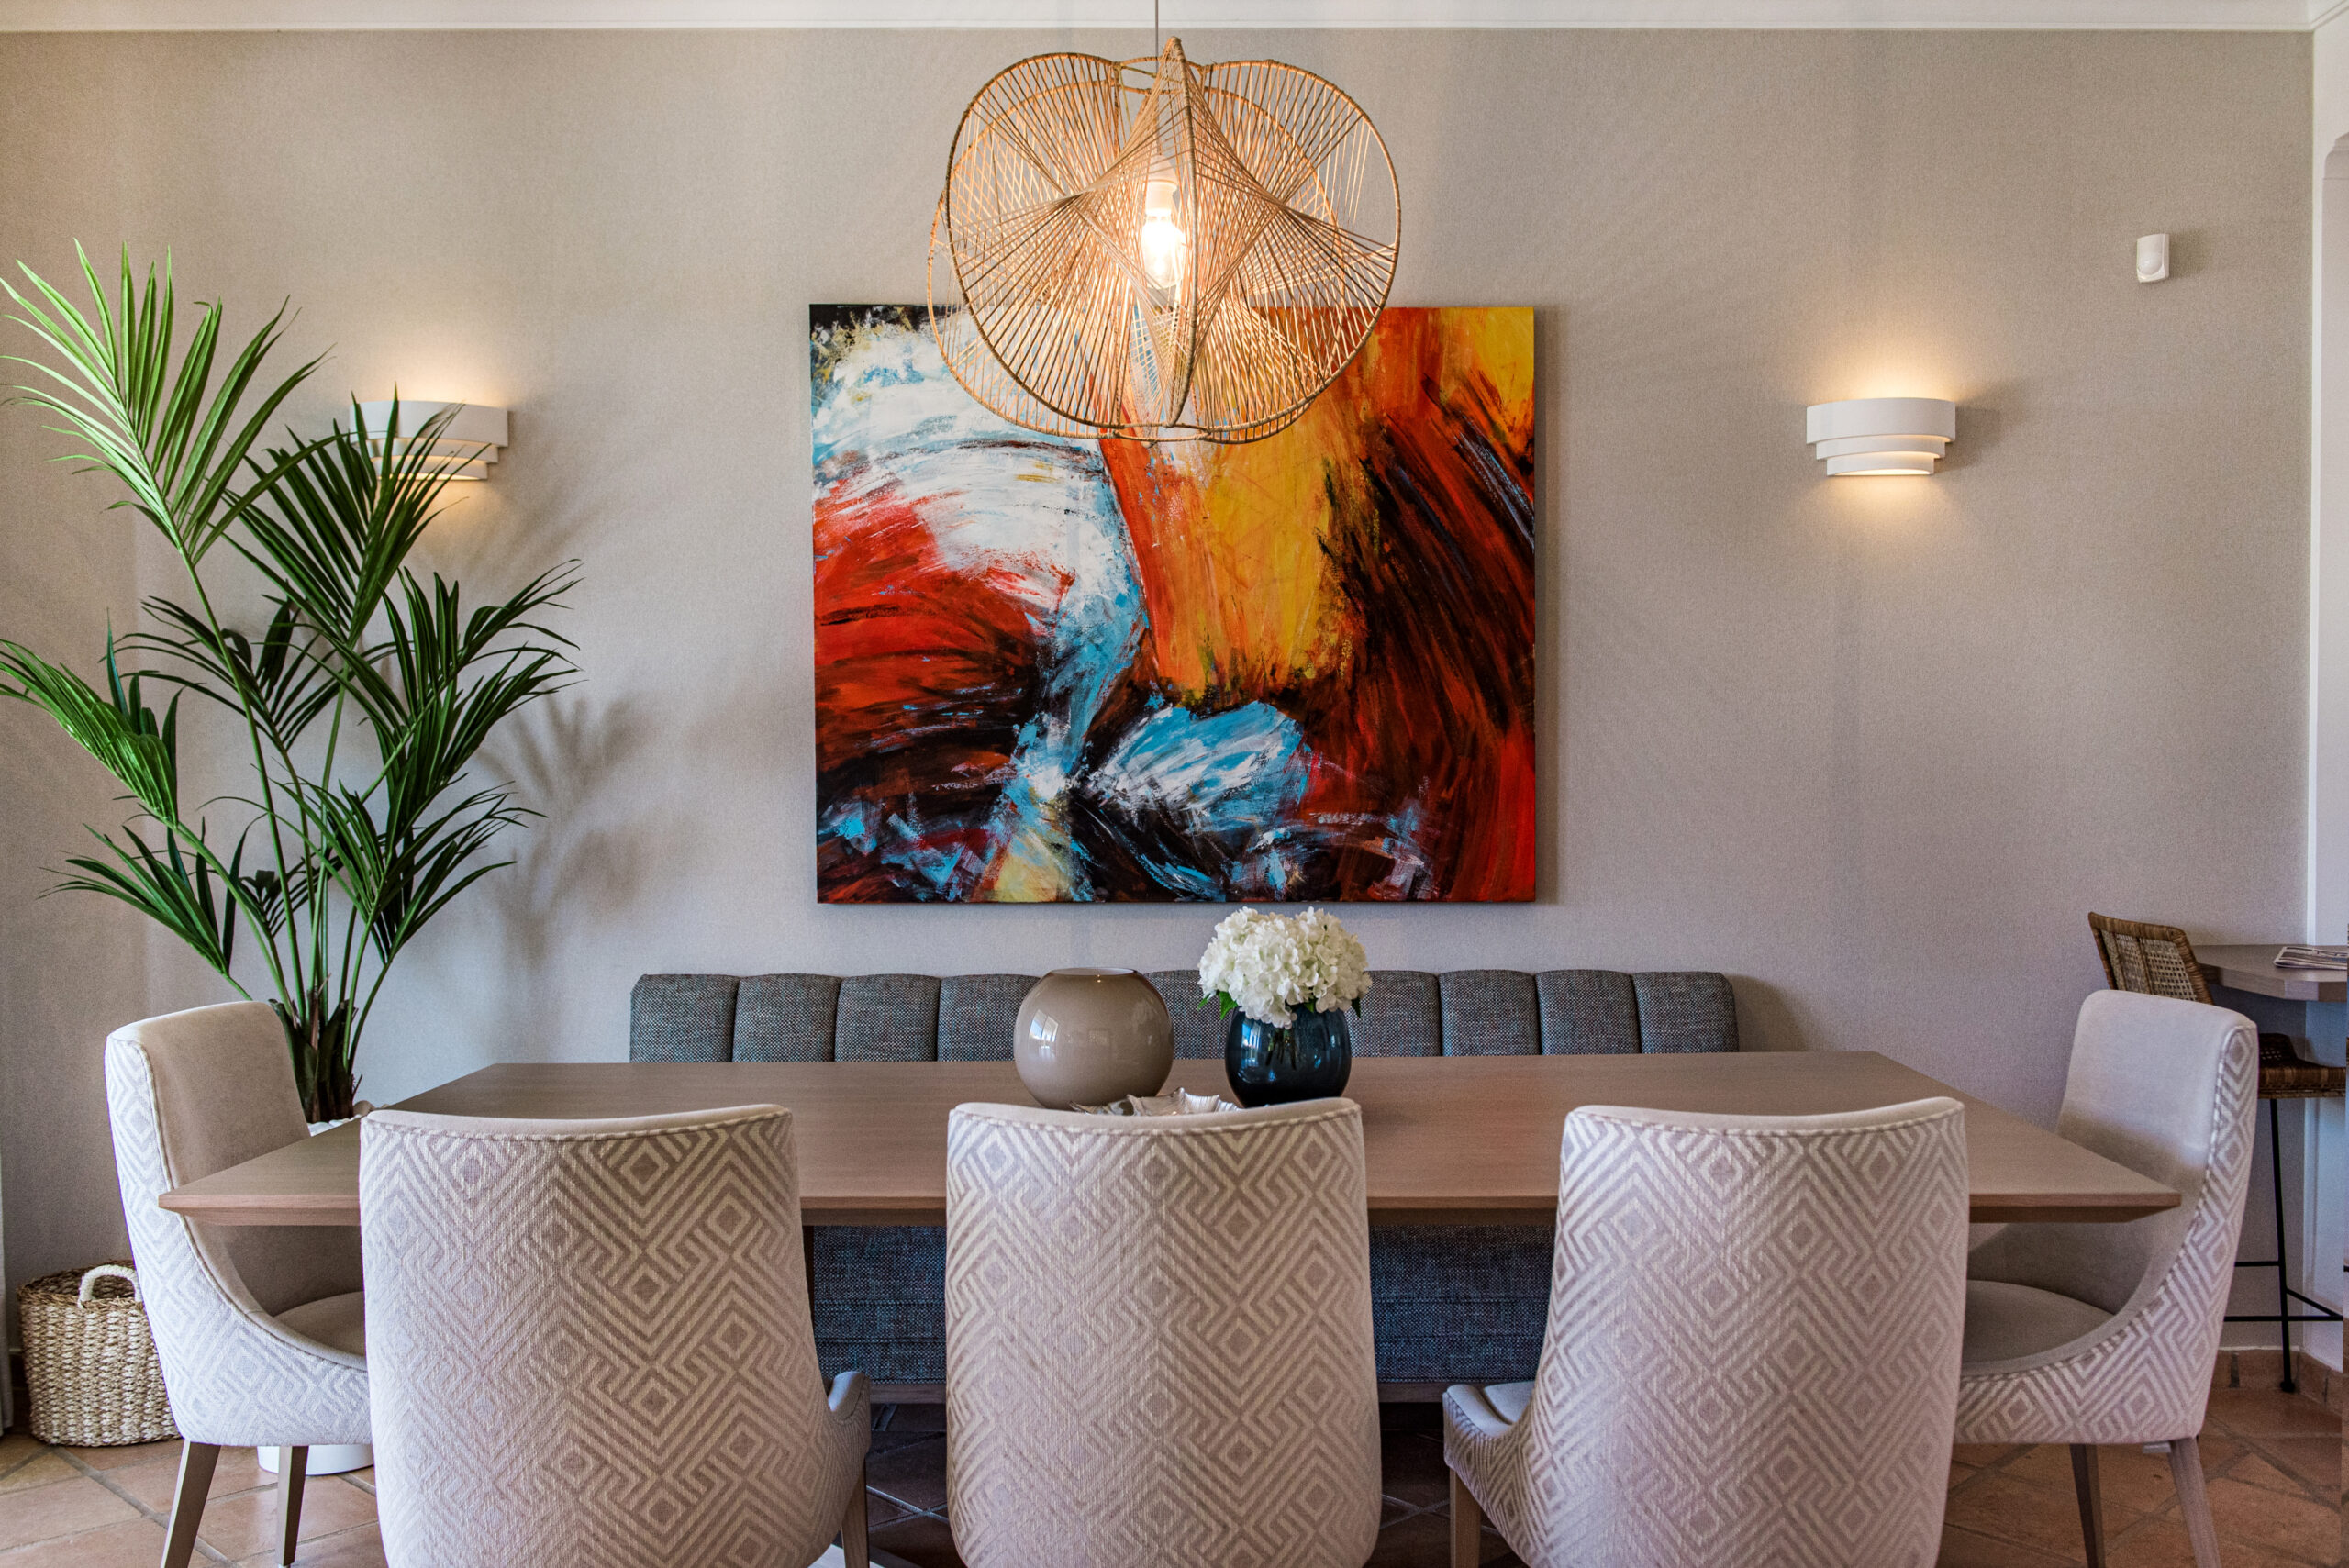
[358, 708]
[1300, 668]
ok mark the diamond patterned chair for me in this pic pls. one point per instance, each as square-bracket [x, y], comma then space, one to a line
[2088, 1334]
[1158, 1339]
[1751, 1352]
[592, 1347]
[260, 1330]
[2159, 961]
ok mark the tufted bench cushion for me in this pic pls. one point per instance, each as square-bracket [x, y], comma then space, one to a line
[1450, 1303]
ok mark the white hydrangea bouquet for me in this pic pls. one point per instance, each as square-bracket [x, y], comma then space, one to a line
[1268, 965]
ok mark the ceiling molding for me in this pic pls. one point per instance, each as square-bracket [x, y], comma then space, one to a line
[216, 16]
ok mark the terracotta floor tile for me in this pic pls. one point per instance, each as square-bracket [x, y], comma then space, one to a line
[15, 1448]
[362, 1479]
[2255, 1469]
[2141, 1483]
[240, 1526]
[2290, 1524]
[137, 1543]
[879, 1509]
[2134, 1482]
[155, 1485]
[921, 1539]
[1412, 1464]
[61, 1508]
[133, 1454]
[2039, 1517]
[361, 1548]
[2162, 1542]
[2218, 1450]
[2260, 1413]
[2316, 1460]
[914, 1475]
[1424, 1540]
[1965, 1549]
[1980, 1454]
[46, 1465]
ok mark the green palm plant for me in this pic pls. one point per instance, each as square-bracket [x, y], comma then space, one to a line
[358, 707]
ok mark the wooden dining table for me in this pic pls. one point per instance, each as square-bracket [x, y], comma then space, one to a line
[1446, 1141]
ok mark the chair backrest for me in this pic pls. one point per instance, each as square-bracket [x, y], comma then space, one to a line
[1158, 1339]
[590, 1341]
[2169, 1089]
[969, 1018]
[1753, 1347]
[190, 1094]
[2155, 959]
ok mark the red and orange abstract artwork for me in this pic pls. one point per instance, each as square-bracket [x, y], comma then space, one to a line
[1056, 670]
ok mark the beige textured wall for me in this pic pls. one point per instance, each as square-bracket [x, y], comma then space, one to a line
[1873, 747]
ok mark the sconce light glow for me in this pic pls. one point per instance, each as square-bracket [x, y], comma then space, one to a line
[474, 436]
[1881, 435]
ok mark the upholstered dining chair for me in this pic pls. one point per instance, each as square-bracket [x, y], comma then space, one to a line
[1751, 1352]
[2159, 961]
[1158, 1339]
[592, 1348]
[2088, 1334]
[260, 1330]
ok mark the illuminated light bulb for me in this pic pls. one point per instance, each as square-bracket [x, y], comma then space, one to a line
[1165, 247]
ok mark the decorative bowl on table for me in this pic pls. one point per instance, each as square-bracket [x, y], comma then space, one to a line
[1092, 1035]
[1285, 982]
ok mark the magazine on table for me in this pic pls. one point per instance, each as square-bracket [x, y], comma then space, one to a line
[2297, 957]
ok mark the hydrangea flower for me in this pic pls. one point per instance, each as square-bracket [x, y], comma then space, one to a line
[1269, 965]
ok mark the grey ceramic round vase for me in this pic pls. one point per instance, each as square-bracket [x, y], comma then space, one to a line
[1089, 1036]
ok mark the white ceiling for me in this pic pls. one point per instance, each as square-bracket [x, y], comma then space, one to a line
[23, 16]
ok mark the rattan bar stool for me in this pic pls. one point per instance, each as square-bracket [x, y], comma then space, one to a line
[2159, 961]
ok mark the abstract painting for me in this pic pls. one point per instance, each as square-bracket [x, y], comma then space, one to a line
[1299, 669]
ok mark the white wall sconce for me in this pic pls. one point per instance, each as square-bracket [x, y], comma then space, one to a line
[1881, 435]
[472, 439]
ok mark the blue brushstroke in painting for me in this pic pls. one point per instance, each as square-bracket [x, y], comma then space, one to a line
[1037, 512]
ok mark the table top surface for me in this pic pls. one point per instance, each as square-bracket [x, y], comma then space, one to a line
[1446, 1139]
[2253, 969]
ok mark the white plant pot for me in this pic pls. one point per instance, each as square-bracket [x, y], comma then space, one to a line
[333, 1459]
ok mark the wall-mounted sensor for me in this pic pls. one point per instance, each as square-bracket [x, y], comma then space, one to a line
[2153, 258]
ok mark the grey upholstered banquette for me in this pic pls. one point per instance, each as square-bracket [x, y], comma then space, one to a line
[1451, 1303]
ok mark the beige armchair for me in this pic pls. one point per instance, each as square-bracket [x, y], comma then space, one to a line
[1158, 1339]
[592, 1347]
[259, 1330]
[2088, 1334]
[1752, 1352]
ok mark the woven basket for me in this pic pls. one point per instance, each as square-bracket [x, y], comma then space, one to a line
[89, 1361]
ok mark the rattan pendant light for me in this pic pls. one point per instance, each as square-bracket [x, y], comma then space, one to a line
[1159, 251]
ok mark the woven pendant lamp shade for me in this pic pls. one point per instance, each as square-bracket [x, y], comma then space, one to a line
[1159, 251]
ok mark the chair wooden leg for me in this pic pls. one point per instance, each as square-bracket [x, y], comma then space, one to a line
[1467, 1525]
[854, 1551]
[293, 1469]
[2091, 1490]
[197, 1460]
[2193, 1501]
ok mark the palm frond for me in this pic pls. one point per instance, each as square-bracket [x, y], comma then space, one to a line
[117, 727]
[170, 436]
[176, 891]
